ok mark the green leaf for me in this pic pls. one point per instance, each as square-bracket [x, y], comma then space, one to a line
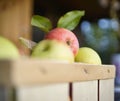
[70, 20]
[41, 22]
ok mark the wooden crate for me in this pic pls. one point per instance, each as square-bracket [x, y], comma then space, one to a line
[15, 18]
[43, 80]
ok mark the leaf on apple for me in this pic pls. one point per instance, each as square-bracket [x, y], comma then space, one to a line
[41, 22]
[71, 19]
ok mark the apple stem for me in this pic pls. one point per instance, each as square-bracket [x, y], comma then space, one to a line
[68, 42]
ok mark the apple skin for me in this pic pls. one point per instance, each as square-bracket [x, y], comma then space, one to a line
[7, 49]
[88, 55]
[65, 36]
[53, 50]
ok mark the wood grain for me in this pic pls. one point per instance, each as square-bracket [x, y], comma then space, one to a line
[35, 71]
[52, 92]
[85, 91]
[15, 16]
[106, 90]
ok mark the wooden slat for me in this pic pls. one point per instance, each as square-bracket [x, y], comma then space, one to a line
[106, 90]
[32, 71]
[15, 16]
[85, 91]
[50, 92]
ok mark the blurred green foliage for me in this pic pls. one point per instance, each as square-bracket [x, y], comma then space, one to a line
[101, 38]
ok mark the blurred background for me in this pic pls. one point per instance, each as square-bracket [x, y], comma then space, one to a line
[98, 29]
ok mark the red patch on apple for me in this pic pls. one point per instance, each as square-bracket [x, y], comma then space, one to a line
[66, 36]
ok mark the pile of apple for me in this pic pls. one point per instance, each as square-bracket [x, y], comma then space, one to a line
[61, 43]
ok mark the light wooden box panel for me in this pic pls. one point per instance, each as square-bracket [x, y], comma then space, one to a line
[97, 90]
[48, 92]
[85, 91]
[106, 88]
[45, 80]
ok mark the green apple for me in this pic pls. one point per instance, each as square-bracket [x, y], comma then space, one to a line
[88, 55]
[54, 50]
[7, 49]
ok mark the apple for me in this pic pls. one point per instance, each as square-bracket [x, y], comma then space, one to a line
[88, 55]
[66, 36]
[54, 50]
[64, 26]
[8, 49]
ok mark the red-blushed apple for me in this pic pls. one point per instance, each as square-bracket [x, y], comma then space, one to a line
[65, 36]
[53, 50]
